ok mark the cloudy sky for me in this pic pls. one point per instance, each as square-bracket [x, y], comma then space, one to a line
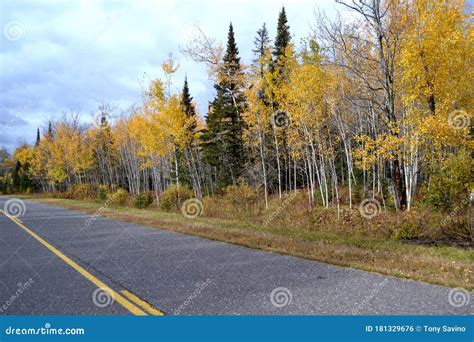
[62, 56]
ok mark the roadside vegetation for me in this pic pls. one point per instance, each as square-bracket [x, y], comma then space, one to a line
[352, 146]
[386, 244]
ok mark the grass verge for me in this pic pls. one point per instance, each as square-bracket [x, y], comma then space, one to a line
[442, 265]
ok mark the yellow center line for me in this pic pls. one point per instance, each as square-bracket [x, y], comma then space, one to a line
[17, 219]
[120, 299]
[142, 303]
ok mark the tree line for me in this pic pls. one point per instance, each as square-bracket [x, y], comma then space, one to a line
[379, 105]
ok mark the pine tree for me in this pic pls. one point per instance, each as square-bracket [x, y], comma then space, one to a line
[188, 106]
[223, 143]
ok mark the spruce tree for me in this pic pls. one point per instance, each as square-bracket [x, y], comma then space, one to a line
[38, 138]
[223, 143]
[50, 130]
[188, 106]
[185, 158]
[278, 66]
[283, 35]
[282, 41]
[262, 43]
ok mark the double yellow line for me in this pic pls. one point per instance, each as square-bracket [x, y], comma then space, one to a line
[127, 299]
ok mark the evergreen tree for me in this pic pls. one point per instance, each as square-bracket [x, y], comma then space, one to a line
[38, 138]
[283, 35]
[185, 158]
[223, 143]
[278, 67]
[282, 41]
[262, 47]
[262, 43]
[16, 177]
[188, 106]
[50, 130]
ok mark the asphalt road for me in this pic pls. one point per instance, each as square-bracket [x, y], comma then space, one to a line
[59, 262]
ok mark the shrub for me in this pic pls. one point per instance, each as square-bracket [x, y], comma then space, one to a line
[407, 231]
[119, 197]
[82, 191]
[143, 200]
[243, 199]
[456, 229]
[450, 182]
[173, 196]
[102, 192]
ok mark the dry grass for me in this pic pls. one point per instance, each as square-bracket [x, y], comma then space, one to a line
[347, 241]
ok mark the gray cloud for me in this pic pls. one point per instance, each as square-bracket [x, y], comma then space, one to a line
[70, 55]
